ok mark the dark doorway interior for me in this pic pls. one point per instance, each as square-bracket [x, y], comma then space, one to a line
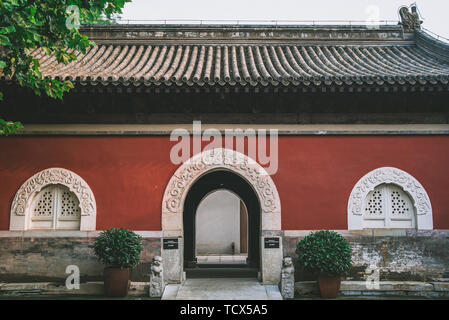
[208, 183]
[243, 228]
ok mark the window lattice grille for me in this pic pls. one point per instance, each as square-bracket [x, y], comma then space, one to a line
[388, 206]
[69, 205]
[44, 206]
[374, 204]
[400, 204]
[55, 207]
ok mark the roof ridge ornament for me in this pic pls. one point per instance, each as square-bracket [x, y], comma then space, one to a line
[410, 21]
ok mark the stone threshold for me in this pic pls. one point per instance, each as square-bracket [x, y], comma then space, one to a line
[437, 289]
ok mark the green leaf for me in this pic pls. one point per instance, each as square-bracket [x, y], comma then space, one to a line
[8, 29]
[9, 127]
[47, 50]
[36, 37]
[4, 41]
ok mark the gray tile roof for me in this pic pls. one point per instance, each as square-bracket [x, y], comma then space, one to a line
[259, 62]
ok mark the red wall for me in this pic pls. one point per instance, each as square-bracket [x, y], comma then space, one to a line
[128, 175]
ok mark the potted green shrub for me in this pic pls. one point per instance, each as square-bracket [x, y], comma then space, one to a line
[119, 249]
[327, 255]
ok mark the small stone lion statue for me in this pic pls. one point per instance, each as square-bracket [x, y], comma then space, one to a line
[287, 267]
[287, 278]
[157, 284]
[156, 266]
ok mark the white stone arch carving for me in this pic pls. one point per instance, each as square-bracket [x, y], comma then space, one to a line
[408, 183]
[188, 173]
[24, 196]
[216, 159]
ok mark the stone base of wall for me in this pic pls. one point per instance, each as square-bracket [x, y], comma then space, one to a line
[309, 289]
[49, 289]
[29, 259]
[382, 289]
[395, 255]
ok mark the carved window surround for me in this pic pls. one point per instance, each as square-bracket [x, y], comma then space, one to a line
[387, 175]
[21, 205]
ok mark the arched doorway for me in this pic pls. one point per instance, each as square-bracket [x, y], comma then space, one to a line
[263, 188]
[210, 182]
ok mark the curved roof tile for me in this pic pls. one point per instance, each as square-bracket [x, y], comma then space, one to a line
[249, 63]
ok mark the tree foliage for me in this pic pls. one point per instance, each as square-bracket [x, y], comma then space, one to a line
[97, 16]
[26, 25]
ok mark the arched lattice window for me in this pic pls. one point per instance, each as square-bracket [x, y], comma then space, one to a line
[54, 199]
[55, 207]
[388, 206]
[389, 198]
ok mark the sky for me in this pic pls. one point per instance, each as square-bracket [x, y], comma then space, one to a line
[435, 13]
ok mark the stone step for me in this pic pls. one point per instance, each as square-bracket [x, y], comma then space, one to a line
[221, 265]
[221, 272]
[221, 289]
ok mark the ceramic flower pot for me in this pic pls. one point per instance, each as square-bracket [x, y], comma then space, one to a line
[329, 285]
[116, 282]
